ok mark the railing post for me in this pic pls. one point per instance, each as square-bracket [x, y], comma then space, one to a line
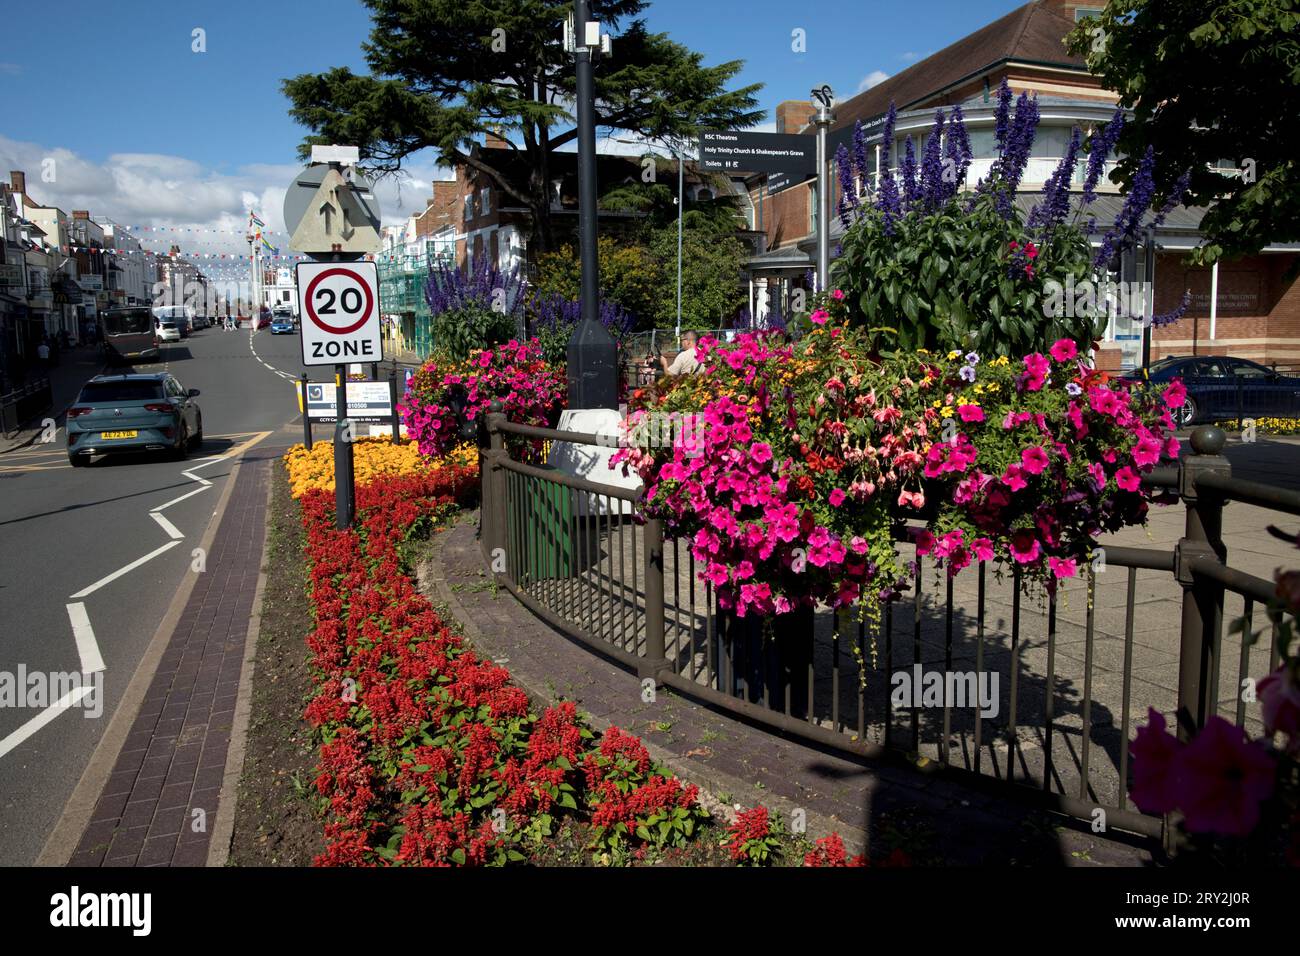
[1202, 600]
[492, 493]
[656, 658]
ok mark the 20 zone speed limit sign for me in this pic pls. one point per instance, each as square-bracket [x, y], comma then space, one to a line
[339, 305]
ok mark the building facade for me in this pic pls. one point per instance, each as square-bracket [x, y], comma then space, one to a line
[1248, 308]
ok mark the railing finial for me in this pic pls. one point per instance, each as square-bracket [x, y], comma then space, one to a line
[1208, 440]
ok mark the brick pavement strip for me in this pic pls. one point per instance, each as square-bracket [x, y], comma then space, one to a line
[732, 759]
[173, 762]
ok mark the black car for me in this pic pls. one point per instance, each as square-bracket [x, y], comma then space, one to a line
[1221, 387]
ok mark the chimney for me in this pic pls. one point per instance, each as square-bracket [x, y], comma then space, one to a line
[493, 139]
[18, 181]
[81, 214]
[793, 115]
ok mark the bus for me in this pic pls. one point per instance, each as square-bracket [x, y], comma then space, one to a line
[129, 334]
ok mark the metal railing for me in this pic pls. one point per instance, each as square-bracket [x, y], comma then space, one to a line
[580, 555]
[23, 404]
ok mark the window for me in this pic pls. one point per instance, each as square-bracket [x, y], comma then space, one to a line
[1082, 13]
[485, 204]
[469, 207]
[124, 391]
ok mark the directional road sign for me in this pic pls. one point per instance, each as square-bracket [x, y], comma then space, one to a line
[327, 211]
[731, 151]
[339, 305]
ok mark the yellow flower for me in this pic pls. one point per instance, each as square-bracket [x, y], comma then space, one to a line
[953, 354]
[946, 411]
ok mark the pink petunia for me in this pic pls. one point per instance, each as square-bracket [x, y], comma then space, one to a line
[1279, 703]
[1175, 394]
[1127, 479]
[1063, 567]
[819, 317]
[1024, 546]
[1222, 779]
[1063, 350]
[837, 497]
[837, 295]
[1155, 752]
[982, 548]
[1034, 460]
[970, 413]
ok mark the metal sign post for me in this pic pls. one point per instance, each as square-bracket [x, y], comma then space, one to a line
[332, 215]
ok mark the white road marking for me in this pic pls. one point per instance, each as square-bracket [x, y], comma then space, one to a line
[172, 531]
[192, 477]
[188, 494]
[87, 646]
[125, 570]
[66, 702]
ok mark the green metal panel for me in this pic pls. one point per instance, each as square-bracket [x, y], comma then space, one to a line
[548, 539]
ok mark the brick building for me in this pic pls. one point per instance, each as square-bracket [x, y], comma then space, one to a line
[1249, 308]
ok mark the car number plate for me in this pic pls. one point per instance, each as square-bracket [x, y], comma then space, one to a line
[108, 435]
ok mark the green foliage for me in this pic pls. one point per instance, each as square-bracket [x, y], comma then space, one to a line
[473, 326]
[712, 291]
[942, 280]
[1209, 81]
[628, 275]
[443, 73]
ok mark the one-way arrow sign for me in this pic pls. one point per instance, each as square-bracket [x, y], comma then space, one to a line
[325, 213]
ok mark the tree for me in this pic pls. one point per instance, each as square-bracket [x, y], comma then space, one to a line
[1209, 81]
[712, 265]
[629, 276]
[445, 72]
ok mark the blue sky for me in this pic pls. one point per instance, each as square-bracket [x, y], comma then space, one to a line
[147, 130]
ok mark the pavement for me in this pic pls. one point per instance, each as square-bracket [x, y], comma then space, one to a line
[74, 368]
[127, 572]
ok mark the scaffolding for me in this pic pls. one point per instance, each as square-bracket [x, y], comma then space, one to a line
[403, 272]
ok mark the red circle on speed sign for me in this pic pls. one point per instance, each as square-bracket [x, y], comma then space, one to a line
[310, 298]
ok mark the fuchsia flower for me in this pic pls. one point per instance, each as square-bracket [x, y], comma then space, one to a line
[1063, 350]
[1147, 451]
[915, 499]
[837, 497]
[1011, 478]
[982, 548]
[1175, 394]
[819, 317]
[970, 413]
[837, 295]
[761, 452]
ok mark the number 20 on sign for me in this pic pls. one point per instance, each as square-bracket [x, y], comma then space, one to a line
[339, 305]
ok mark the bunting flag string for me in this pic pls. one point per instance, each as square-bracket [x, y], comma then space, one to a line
[206, 256]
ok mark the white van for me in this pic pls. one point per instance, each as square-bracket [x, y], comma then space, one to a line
[180, 316]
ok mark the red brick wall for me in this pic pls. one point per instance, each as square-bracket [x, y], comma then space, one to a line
[1258, 310]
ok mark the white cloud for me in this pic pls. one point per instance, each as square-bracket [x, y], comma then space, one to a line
[874, 78]
[208, 207]
[909, 56]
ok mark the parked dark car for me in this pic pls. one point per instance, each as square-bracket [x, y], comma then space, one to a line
[120, 413]
[1221, 387]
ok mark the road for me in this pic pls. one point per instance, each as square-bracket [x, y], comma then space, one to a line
[91, 558]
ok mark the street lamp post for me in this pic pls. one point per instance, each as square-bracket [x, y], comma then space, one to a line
[823, 96]
[592, 354]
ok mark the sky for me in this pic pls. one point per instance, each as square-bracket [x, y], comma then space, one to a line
[171, 115]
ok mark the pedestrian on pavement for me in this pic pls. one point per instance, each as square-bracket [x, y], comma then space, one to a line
[43, 353]
[686, 362]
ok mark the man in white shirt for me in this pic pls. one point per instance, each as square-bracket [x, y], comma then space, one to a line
[43, 353]
[685, 362]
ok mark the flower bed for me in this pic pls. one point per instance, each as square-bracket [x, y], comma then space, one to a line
[372, 458]
[429, 755]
